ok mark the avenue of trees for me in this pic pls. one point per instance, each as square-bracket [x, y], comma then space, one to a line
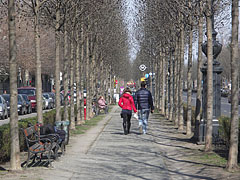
[87, 41]
[169, 29]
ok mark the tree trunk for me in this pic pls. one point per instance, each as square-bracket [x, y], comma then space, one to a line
[78, 80]
[208, 144]
[160, 79]
[57, 65]
[199, 66]
[180, 81]
[189, 81]
[14, 132]
[87, 78]
[232, 164]
[65, 74]
[176, 74]
[171, 87]
[38, 65]
[163, 82]
[72, 115]
[82, 67]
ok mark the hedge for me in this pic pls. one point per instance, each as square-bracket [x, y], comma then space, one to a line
[48, 118]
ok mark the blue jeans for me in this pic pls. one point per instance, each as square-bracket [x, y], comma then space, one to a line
[143, 115]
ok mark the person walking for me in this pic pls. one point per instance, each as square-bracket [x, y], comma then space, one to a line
[144, 103]
[127, 104]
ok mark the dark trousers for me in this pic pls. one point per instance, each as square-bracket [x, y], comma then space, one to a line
[127, 114]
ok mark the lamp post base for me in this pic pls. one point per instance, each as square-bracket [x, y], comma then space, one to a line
[201, 131]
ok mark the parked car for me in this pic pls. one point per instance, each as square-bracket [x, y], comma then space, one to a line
[224, 92]
[31, 93]
[28, 103]
[22, 105]
[22, 108]
[3, 108]
[49, 101]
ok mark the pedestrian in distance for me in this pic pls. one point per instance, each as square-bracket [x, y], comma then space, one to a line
[144, 105]
[102, 104]
[126, 102]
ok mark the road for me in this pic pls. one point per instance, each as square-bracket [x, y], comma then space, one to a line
[6, 121]
[225, 106]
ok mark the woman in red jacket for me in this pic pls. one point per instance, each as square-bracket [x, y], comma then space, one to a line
[127, 104]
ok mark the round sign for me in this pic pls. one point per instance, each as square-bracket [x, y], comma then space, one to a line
[142, 67]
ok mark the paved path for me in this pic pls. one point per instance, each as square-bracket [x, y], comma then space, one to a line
[105, 153]
[114, 155]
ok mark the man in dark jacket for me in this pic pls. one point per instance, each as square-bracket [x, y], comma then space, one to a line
[144, 105]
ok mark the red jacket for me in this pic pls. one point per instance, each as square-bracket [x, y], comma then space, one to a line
[126, 102]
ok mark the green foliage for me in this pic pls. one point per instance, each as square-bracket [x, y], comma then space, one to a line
[87, 125]
[48, 118]
[185, 114]
[4, 142]
[224, 130]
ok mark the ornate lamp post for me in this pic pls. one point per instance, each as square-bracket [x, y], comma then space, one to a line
[217, 70]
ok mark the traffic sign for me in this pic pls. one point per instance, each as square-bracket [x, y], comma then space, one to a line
[142, 67]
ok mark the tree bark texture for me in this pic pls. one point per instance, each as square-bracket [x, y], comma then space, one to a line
[208, 144]
[78, 83]
[38, 64]
[163, 82]
[65, 74]
[199, 66]
[72, 69]
[14, 132]
[232, 164]
[57, 65]
[87, 77]
[180, 81]
[176, 74]
[189, 81]
[171, 87]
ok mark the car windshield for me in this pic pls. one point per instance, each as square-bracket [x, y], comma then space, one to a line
[46, 96]
[19, 99]
[6, 97]
[29, 92]
[25, 98]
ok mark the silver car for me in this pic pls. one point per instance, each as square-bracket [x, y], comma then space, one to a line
[3, 108]
[49, 101]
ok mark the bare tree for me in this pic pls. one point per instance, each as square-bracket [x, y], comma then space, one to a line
[232, 164]
[208, 144]
[15, 149]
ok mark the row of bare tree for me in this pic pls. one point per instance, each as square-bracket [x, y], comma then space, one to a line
[168, 31]
[85, 40]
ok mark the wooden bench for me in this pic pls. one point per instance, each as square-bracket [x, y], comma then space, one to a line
[40, 144]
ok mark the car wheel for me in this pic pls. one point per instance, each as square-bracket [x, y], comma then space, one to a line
[6, 116]
[22, 111]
